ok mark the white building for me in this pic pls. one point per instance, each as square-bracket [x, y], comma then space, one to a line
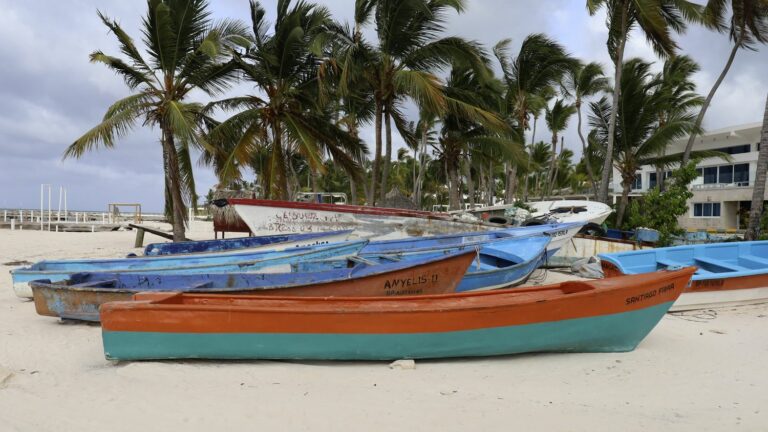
[722, 193]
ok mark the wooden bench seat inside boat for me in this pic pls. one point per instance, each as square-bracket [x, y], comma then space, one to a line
[721, 264]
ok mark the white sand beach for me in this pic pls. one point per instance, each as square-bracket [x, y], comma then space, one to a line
[697, 371]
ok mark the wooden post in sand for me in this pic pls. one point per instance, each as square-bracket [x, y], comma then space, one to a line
[13, 224]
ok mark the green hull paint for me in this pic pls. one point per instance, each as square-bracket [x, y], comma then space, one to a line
[609, 333]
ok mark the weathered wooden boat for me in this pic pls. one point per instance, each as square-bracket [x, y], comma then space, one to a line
[498, 264]
[196, 263]
[606, 315]
[272, 242]
[80, 296]
[559, 234]
[562, 211]
[266, 217]
[728, 273]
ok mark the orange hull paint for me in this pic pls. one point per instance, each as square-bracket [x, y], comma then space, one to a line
[193, 313]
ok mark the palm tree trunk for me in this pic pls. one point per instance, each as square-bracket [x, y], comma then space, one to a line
[470, 183]
[608, 163]
[377, 157]
[491, 183]
[585, 155]
[420, 178]
[454, 188]
[387, 156]
[551, 174]
[758, 192]
[710, 96]
[279, 187]
[314, 179]
[352, 190]
[528, 153]
[626, 187]
[174, 184]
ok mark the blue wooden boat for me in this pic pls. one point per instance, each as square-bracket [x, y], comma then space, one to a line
[499, 263]
[273, 242]
[172, 264]
[80, 296]
[727, 273]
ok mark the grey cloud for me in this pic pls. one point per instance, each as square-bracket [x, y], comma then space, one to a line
[50, 94]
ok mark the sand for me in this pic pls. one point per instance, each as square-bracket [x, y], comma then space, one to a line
[697, 371]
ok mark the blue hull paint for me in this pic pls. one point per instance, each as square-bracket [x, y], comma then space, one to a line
[714, 260]
[198, 264]
[233, 282]
[500, 263]
[608, 333]
[204, 246]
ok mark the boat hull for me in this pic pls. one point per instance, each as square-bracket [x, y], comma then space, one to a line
[197, 264]
[708, 288]
[278, 242]
[439, 276]
[612, 316]
[265, 217]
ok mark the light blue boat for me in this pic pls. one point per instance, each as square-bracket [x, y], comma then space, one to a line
[500, 263]
[277, 241]
[727, 273]
[185, 264]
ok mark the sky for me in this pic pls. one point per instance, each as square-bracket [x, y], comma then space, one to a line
[50, 94]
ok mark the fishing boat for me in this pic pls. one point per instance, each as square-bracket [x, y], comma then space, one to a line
[560, 235]
[606, 315]
[727, 273]
[272, 261]
[272, 242]
[266, 217]
[562, 211]
[498, 264]
[80, 296]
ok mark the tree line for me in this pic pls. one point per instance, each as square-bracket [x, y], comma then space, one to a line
[317, 82]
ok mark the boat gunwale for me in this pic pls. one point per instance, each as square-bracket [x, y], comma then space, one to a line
[160, 305]
[235, 251]
[54, 286]
[310, 249]
[612, 258]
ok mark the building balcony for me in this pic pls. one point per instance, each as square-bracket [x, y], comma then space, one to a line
[720, 186]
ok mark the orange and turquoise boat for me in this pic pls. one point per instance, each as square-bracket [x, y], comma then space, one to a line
[606, 315]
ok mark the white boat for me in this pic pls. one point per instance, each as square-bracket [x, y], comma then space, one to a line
[563, 211]
[265, 217]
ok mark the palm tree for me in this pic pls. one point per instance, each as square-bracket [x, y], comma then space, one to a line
[758, 193]
[748, 27]
[557, 119]
[458, 133]
[402, 66]
[541, 156]
[186, 53]
[291, 117]
[584, 81]
[677, 85]
[640, 134]
[539, 65]
[657, 19]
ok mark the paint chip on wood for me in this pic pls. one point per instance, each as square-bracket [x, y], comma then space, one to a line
[403, 364]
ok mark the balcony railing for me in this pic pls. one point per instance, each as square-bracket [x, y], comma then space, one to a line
[722, 185]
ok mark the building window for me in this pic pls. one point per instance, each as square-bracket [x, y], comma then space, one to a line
[706, 210]
[735, 149]
[638, 183]
[726, 174]
[741, 174]
[710, 175]
[652, 178]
